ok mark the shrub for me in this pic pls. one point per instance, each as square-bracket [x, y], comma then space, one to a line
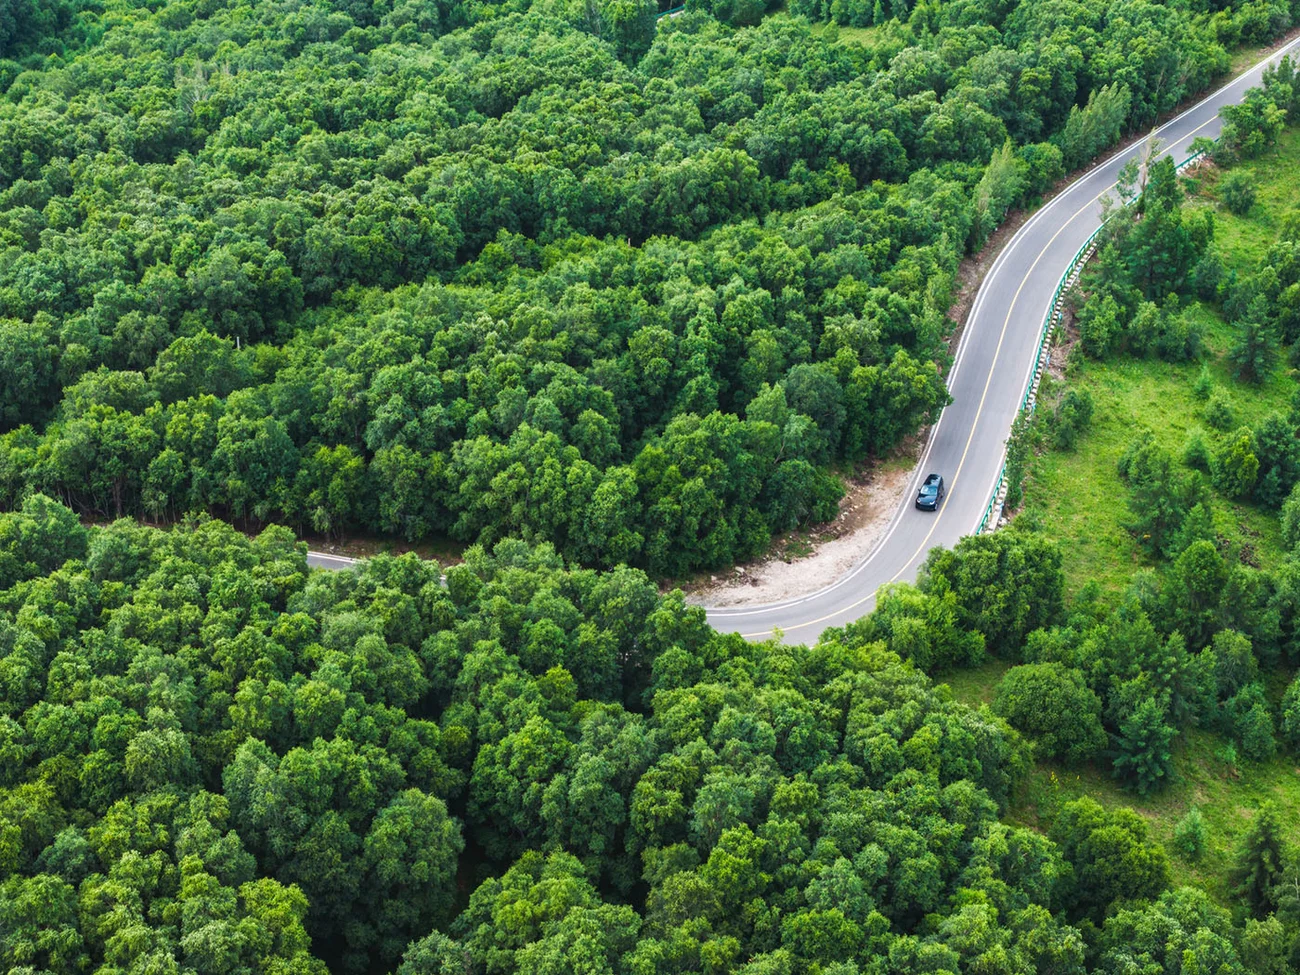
[1254, 354]
[1236, 467]
[1189, 835]
[1207, 275]
[1291, 519]
[1204, 384]
[1251, 724]
[1052, 704]
[1143, 747]
[1196, 454]
[1290, 724]
[1219, 413]
[1237, 191]
[1100, 324]
[1073, 416]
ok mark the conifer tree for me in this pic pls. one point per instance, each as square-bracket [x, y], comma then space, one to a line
[1259, 863]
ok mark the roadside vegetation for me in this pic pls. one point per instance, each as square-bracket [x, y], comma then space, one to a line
[1165, 448]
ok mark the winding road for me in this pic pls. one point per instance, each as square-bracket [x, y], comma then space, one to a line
[992, 369]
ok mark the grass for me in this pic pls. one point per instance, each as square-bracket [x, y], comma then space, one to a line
[1226, 795]
[1242, 241]
[976, 685]
[866, 36]
[1078, 498]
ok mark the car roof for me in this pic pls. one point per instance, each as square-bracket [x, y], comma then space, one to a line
[933, 479]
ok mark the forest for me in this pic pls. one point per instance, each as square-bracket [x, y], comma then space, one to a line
[533, 270]
[608, 301]
[218, 761]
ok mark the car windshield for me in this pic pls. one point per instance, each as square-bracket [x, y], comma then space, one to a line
[929, 488]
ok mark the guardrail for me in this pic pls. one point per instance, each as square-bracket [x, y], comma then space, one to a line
[1072, 272]
[668, 13]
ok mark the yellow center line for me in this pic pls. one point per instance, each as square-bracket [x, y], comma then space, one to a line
[979, 410]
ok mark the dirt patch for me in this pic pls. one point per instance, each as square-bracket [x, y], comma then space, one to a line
[805, 561]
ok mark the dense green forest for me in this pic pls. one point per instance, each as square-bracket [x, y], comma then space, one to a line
[585, 293]
[525, 269]
[216, 761]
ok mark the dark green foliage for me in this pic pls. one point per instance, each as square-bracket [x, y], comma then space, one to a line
[1236, 467]
[1289, 724]
[1183, 931]
[1155, 255]
[1247, 717]
[1290, 519]
[1278, 450]
[1143, 757]
[1160, 495]
[1196, 454]
[1053, 707]
[520, 268]
[921, 627]
[1005, 585]
[1071, 419]
[299, 761]
[1193, 593]
[1254, 354]
[1258, 863]
[1019, 452]
[1190, 835]
[1237, 192]
[1112, 857]
[1219, 413]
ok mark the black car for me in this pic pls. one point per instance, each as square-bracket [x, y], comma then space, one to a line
[931, 493]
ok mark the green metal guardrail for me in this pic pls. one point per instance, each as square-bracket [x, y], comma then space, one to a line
[1052, 313]
[668, 13]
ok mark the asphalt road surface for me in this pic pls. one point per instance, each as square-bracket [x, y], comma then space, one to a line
[990, 374]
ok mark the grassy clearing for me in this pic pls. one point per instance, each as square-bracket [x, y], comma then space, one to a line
[975, 685]
[1079, 496]
[865, 36]
[1242, 241]
[1227, 796]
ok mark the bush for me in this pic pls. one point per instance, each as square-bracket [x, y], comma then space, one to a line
[1189, 835]
[1254, 354]
[1207, 275]
[1143, 747]
[1236, 467]
[1052, 705]
[1237, 191]
[1290, 724]
[1073, 416]
[1251, 724]
[1291, 519]
[1204, 384]
[1100, 324]
[1196, 454]
[1219, 412]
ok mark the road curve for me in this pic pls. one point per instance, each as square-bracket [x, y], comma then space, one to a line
[988, 379]
[989, 376]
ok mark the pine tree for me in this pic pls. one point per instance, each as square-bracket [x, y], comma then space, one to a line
[1259, 862]
[1143, 747]
[1189, 835]
[1254, 354]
